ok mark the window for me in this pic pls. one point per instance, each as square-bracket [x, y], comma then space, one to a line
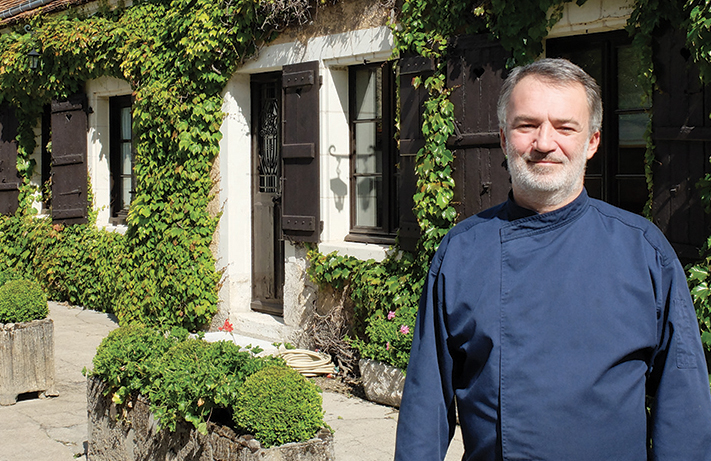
[374, 213]
[616, 173]
[121, 157]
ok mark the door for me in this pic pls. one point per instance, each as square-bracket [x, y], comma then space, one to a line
[267, 244]
[286, 202]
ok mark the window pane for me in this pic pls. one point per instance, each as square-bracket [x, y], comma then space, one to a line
[125, 192]
[368, 147]
[126, 159]
[630, 161]
[632, 127]
[125, 123]
[368, 196]
[367, 94]
[629, 93]
[589, 60]
[632, 194]
[594, 187]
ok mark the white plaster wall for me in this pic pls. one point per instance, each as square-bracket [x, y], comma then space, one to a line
[594, 16]
[235, 195]
[98, 93]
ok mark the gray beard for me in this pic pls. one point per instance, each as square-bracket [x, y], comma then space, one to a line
[545, 190]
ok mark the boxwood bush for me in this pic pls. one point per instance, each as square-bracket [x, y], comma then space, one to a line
[278, 405]
[22, 301]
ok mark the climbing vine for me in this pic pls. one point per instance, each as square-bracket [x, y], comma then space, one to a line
[177, 56]
[423, 28]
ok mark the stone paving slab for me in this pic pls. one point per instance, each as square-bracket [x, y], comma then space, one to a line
[55, 429]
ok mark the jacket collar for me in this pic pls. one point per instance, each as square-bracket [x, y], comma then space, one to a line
[523, 220]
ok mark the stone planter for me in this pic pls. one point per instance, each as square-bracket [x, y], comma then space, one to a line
[26, 359]
[131, 433]
[382, 383]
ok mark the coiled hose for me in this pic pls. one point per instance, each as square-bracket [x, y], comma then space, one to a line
[308, 363]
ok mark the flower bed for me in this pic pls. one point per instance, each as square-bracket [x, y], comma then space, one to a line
[130, 431]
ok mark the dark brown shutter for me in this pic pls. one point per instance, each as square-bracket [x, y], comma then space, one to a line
[412, 102]
[69, 168]
[9, 179]
[476, 71]
[682, 136]
[300, 151]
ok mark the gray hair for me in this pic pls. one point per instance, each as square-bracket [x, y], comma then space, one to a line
[558, 72]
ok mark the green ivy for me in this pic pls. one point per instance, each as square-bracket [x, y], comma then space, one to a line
[178, 56]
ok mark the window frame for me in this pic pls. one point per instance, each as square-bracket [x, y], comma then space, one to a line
[386, 233]
[609, 152]
[116, 104]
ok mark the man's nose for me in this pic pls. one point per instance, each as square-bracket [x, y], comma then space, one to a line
[544, 141]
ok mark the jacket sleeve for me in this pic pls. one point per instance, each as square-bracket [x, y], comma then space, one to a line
[427, 417]
[680, 421]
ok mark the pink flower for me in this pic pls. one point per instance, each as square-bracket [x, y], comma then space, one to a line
[387, 346]
[391, 315]
[227, 326]
[404, 329]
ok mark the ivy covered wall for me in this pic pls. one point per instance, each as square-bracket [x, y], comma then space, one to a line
[177, 57]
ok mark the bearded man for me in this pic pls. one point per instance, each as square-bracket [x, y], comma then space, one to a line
[559, 327]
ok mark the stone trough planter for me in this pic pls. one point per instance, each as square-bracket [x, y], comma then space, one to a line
[26, 359]
[382, 383]
[123, 434]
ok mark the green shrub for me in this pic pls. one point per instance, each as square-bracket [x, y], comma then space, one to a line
[9, 274]
[127, 359]
[197, 377]
[22, 301]
[279, 406]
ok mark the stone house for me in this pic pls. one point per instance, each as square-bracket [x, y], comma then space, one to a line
[308, 154]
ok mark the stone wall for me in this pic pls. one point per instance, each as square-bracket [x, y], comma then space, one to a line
[130, 433]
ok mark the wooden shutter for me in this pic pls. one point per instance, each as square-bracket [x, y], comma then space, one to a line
[69, 168]
[9, 179]
[682, 136]
[476, 71]
[300, 151]
[412, 102]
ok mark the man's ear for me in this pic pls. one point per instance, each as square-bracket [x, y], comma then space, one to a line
[593, 144]
[502, 140]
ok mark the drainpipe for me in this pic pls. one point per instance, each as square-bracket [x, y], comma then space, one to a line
[26, 6]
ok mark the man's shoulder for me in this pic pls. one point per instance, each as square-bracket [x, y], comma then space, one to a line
[476, 220]
[463, 235]
[636, 224]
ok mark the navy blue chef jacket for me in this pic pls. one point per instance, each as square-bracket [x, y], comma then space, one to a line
[549, 330]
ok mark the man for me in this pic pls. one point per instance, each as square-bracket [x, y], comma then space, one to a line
[561, 326]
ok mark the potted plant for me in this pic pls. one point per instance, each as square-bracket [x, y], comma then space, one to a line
[151, 393]
[26, 340]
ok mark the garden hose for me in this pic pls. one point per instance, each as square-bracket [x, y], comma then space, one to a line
[308, 363]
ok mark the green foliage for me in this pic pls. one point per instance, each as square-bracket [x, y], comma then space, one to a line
[699, 277]
[278, 406]
[197, 377]
[127, 359]
[177, 55]
[393, 285]
[698, 28]
[184, 378]
[9, 274]
[22, 301]
[79, 264]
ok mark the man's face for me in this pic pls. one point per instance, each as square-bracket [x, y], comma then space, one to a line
[547, 142]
